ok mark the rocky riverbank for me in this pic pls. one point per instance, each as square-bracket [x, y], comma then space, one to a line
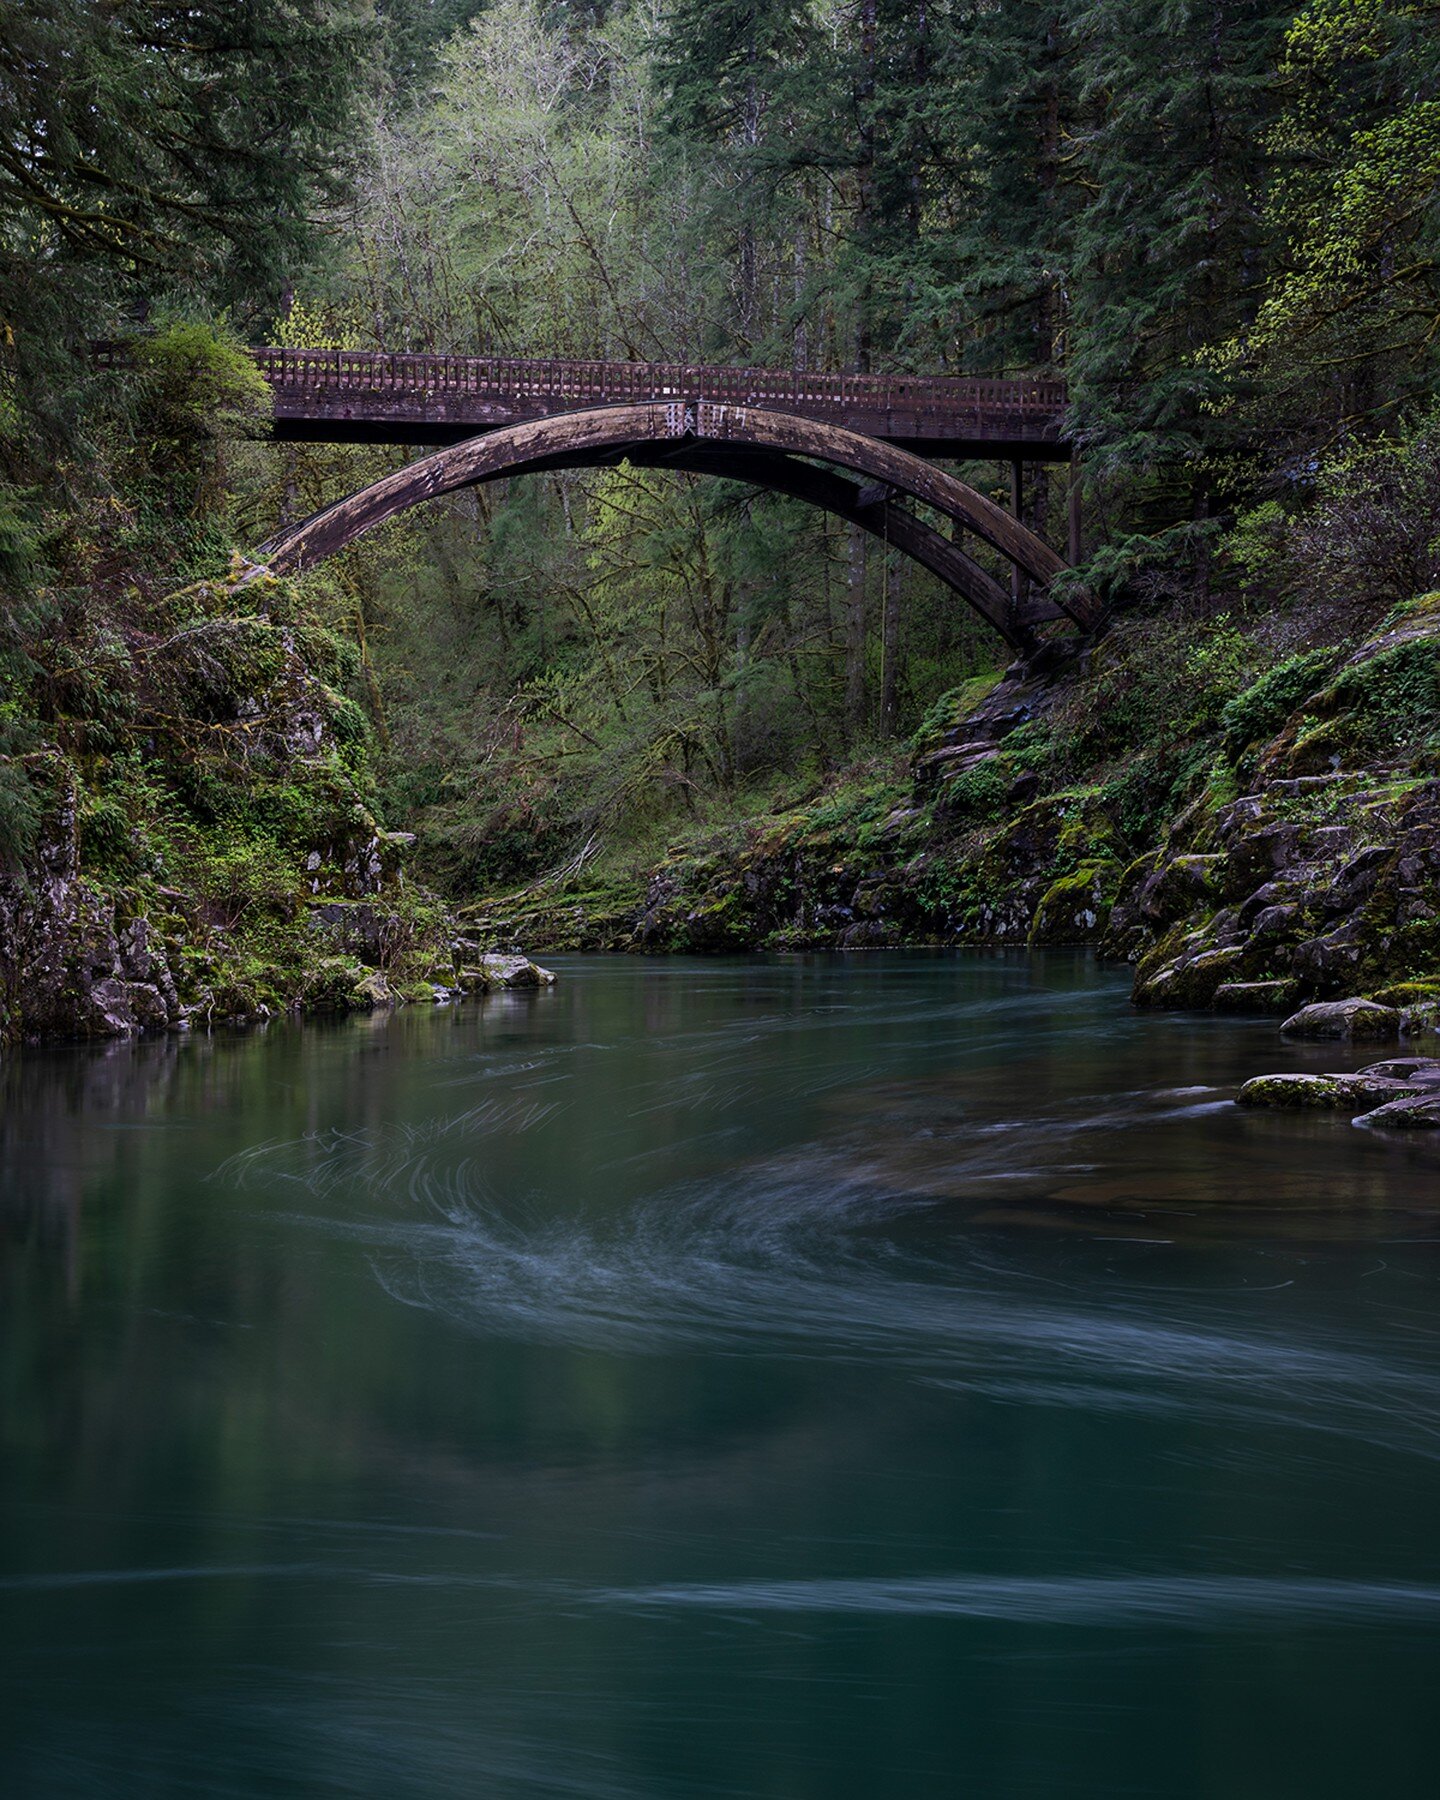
[1251, 839]
[83, 957]
[1249, 843]
[1401, 1093]
[203, 847]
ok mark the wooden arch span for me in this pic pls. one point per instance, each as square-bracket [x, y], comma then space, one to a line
[773, 450]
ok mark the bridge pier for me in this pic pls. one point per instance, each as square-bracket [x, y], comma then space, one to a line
[1019, 584]
[1075, 546]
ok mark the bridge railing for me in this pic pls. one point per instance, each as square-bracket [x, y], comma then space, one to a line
[575, 383]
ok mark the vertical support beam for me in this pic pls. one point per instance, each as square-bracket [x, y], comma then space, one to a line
[1076, 545]
[1019, 587]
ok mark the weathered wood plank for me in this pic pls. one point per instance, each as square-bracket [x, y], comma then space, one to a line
[385, 397]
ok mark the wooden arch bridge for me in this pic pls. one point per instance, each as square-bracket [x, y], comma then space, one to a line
[857, 446]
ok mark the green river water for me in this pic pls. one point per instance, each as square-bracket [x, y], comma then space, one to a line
[799, 1379]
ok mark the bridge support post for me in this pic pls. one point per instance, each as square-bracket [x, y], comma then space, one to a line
[1076, 534]
[1019, 586]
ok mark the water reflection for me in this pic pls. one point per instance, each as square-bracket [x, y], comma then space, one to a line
[856, 1377]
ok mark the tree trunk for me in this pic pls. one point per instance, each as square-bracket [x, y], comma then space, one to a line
[865, 172]
[855, 637]
[890, 643]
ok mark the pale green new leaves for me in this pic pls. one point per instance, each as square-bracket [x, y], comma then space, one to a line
[1358, 209]
[512, 213]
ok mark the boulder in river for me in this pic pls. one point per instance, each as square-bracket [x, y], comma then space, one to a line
[1331, 1093]
[1424, 1070]
[504, 972]
[372, 992]
[1343, 1019]
[1415, 1112]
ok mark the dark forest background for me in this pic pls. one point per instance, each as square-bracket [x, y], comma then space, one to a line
[1218, 221]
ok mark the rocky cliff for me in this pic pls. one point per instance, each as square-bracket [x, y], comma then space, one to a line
[206, 849]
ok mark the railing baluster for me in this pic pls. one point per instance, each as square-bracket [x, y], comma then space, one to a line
[979, 406]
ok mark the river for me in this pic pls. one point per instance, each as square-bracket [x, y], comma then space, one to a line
[799, 1378]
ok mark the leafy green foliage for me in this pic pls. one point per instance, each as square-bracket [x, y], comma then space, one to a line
[976, 795]
[1350, 306]
[1397, 689]
[1261, 710]
[20, 812]
[145, 151]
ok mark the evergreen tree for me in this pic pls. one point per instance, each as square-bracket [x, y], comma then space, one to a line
[152, 150]
[1168, 238]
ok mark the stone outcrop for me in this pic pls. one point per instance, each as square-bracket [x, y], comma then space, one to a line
[72, 960]
[1402, 1094]
[1322, 880]
[81, 957]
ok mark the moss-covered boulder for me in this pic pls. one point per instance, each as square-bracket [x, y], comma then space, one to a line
[1329, 1093]
[372, 993]
[1333, 1093]
[1076, 908]
[1343, 1019]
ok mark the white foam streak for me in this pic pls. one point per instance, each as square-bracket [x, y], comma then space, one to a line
[792, 1259]
[1119, 1600]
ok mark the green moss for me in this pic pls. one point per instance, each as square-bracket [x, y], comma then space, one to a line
[1328, 1093]
[1422, 1020]
[1076, 908]
[1407, 993]
[1263, 708]
[952, 709]
[1087, 833]
[1322, 746]
[1389, 697]
[976, 794]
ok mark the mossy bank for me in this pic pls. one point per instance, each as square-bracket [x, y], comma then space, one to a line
[197, 843]
[1251, 829]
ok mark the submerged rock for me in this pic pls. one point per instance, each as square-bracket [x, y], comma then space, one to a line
[1413, 1113]
[1343, 1019]
[1331, 1092]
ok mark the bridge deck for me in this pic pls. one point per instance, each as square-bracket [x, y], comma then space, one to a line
[375, 397]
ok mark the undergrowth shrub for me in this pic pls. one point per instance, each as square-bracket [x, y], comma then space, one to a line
[1262, 709]
[1396, 692]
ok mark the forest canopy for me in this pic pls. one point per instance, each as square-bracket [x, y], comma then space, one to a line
[1219, 223]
